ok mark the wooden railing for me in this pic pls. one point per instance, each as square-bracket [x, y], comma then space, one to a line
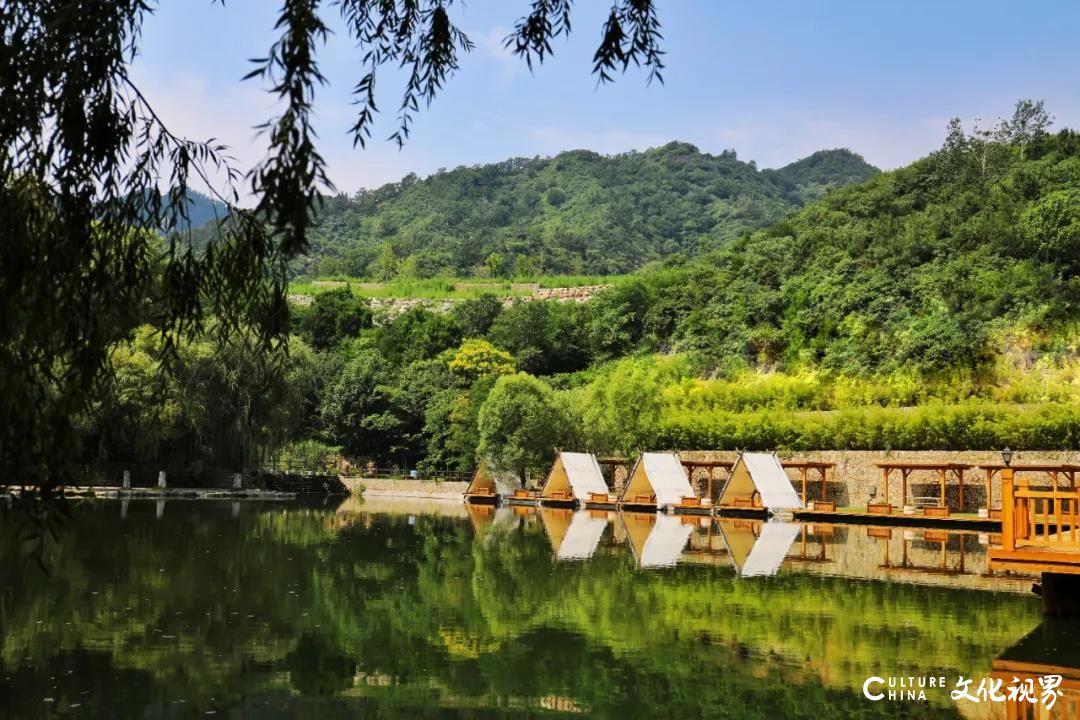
[1042, 518]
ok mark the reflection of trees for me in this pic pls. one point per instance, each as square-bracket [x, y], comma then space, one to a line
[202, 605]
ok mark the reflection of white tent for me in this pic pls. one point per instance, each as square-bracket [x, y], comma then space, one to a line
[657, 540]
[487, 517]
[771, 548]
[574, 476]
[573, 535]
[758, 480]
[657, 479]
[581, 537]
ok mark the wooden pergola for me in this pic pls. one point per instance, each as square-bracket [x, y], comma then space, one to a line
[1066, 471]
[804, 467]
[613, 463]
[709, 466]
[942, 469]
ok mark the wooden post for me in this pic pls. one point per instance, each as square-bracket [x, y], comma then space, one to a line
[237, 481]
[942, 473]
[1008, 510]
[885, 482]
[804, 470]
[824, 490]
[989, 497]
[903, 477]
[960, 477]
[127, 480]
[161, 479]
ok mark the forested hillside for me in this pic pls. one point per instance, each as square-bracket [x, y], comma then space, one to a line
[578, 212]
[935, 306]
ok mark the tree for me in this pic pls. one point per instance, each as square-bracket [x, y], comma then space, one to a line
[386, 265]
[519, 424]
[494, 264]
[82, 153]
[409, 269]
[1050, 229]
[621, 410]
[1029, 123]
[476, 316]
[336, 315]
[358, 411]
[479, 358]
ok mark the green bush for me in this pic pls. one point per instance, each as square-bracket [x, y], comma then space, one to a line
[971, 426]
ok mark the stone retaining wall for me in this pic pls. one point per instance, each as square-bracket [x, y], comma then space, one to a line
[406, 488]
[850, 481]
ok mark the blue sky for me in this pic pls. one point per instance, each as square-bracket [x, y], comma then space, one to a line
[773, 80]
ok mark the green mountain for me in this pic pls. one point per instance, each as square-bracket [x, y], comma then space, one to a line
[577, 212]
[964, 255]
[812, 176]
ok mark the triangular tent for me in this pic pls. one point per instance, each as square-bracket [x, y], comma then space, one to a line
[759, 478]
[574, 476]
[581, 537]
[483, 481]
[771, 548]
[660, 476]
[664, 544]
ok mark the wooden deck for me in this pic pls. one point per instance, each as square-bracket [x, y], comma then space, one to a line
[1039, 529]
[861, 515]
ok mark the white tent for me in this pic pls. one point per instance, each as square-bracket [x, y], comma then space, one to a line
[760, 480]
[574, 476]
[771, 548]
[659, 475]
[657, 540]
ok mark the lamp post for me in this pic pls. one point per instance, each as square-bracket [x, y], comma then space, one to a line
[1006, 481]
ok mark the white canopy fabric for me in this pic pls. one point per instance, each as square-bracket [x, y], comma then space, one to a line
[666, 541]
[584, 474]
[773, 484]
[667, 477]
[771, 548]
[582, 537]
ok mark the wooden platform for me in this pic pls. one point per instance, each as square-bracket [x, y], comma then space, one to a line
[482, 498]
[857, 517]
[1040, 529]
[741, 512]
[523, 497]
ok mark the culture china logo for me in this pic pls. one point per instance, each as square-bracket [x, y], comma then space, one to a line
[911, 688]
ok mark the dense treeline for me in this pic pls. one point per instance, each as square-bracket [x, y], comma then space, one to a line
[943, 285]
[573, 213]
[930, 307]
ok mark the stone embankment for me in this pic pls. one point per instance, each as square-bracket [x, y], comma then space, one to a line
[429, 489]
[392, 307]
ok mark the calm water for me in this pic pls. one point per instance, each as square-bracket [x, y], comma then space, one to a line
[396, 611]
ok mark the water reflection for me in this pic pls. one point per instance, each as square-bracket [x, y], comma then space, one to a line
[1048, 650]
[398, 610]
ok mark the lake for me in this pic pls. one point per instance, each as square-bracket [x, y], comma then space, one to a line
[403, 609]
